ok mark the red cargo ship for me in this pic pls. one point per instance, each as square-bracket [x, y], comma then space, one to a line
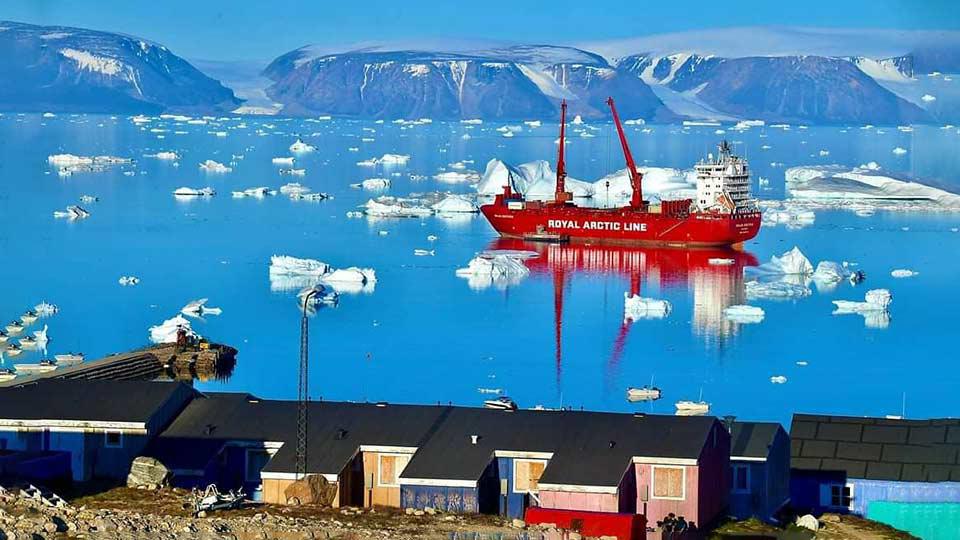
[723, 215]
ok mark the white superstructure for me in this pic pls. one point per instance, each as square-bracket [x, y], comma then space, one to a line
[723, 183]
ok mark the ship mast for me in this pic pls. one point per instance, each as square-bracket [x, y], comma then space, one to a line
[561, 196]
[636, 200]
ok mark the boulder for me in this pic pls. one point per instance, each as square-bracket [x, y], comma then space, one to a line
[808, 522]
[147, 471]
[312, 489]
[518, 524]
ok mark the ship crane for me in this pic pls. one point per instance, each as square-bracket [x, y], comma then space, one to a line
[636, 178]
[562, 196]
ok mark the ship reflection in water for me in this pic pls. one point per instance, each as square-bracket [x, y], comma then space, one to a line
[714, 276]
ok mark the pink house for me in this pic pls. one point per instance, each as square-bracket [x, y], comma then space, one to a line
[657, 466]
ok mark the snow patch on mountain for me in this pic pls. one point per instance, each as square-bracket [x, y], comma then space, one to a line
[92, 62]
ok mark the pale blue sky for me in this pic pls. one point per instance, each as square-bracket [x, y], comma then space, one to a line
[263, 29]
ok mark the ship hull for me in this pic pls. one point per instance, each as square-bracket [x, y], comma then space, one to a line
[623, 225]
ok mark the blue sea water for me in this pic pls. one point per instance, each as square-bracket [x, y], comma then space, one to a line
[423, 334]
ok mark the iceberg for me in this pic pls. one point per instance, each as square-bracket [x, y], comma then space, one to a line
[874, 308]
[198, 308]
[791, 263]
[300, 147]
[164, 156]
[166, 332]
[352, 274]
[455, 204]
[866, 184]
[829, 272]
[636, 307]
[294, 188]
[258, 192]
[744, 314]
[287, 265]
[775, 290]
[282, 161]
[193, 192]
[214, 167]
[456, 177]
[903, 273]
[375, 183]
[389, 207]
[500, 268]
[778, 379]
[396, 159]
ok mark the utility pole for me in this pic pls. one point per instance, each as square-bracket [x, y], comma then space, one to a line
[303, 398]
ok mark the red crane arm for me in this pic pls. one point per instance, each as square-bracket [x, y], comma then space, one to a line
[561, 165]
[636, 200]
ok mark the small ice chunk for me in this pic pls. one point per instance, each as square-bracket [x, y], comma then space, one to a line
[424, 252]
[194, 192]
[927, 98]
[874, 308]
[899, 151]
[198, 308]
[636, 307]
[128, 280]
[300, 147]
[456, 177]
[395, 209]
[375, 183]
[775, 290]
[166, 332]
[791, 263]
[282, 161]
[496, 267]
[828, 272]
[744, 314]
[903, 273]
[778, 379]
[165, 156]
[455, 204]
[287, 265]
[214, 167]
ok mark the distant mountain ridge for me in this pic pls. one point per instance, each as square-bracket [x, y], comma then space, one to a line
[55, 68]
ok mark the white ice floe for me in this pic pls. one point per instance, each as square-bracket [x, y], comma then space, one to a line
[300, 147]
[899, 151]
[214, 167]
[874, 308]
[292, 273]
[456, 177]
[72, 212]
[256, 192]
[166, 332]
[46, 309]
[775, 290]
[282, 161]
[352, 274]
[903, 273]
[499, 268]
[194, 192]
[70, 163]
[927, 98]
[391, 207]
[375, 183]
[787, 214]
[838, 186]
[744, 314]
[164, 156]
[287, 265]
[455, 204]
[294, 188]
[127, 281]
[636, 307]
[778, 379]
[791, 263]
[198, 308]
[88, 199]
[830, 273]
[424, 252]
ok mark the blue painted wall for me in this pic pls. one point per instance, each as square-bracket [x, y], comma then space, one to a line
[769, 482]
[448, 499]
[867, 491]
[512, 505]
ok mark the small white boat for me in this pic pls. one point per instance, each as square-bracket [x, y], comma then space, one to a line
[13, 350]
[424, 252]
[3, 336]
[15, 327]
[644, 393]
[88, 199]
[7, 374]
[502, 403]
[28, 342]
[69, 359]
[692, 408]
[44, 366]
[490, 390]
[72, 212]
[29, 317]
[45, 310]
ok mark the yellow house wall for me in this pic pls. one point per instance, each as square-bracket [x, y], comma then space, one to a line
[378, 495]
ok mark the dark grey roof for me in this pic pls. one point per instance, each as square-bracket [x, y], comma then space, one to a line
[588, 448]
[88, 400]
[753, 439]
[877, 448]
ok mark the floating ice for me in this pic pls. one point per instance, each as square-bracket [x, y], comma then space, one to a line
[286, 265]
[790, 216]
[257, 192]
[903, 273]
[829, 272]
[375, 183]
[300, 147]
[282, 161]
[127, 281]
[455, 204]
[867, 184]
[390, 207]
[198, 308]
[791, 263]
[424, 252]
[193, 192]
[165, 156]
[294, 188]
[72, 212]
[744, 314]
[166, 332]
[456, 177]
[88, 199]
[500, 268]
[775, 290]
[928, 98]
[635, 307]
[45, 309]
[214, 167]
[778, 379]
[70, 163]
[899, 151]
[874, 308]
[293, 172]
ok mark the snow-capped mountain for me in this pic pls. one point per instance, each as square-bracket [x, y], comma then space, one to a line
[53, 68]
[499, 83]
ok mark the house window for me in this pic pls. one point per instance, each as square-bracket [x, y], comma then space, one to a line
[837, 495]
[113, 439]
[389, 468]
[740, 478]
[668, 482]
[257, 459]
[526, 475]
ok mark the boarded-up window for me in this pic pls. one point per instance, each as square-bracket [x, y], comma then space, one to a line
[390, 467]
[668, 482]
[526, 475]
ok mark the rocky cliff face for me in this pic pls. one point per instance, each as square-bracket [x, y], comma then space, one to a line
[48, 68]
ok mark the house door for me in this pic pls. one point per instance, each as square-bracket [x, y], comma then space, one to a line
[256, 460]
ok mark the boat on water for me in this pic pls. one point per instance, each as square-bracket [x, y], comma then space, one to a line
[68, 359]
[13, 350]
[28, 342]
[7, 374]
[644, 393]
[43, 366]
[723, 214]
[692, 408]
[14, 327]
[502, 403]
[29, 317]
[3, 336]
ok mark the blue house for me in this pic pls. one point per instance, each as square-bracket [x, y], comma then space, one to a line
[83, 429]
[902, 472]
[759, 469]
